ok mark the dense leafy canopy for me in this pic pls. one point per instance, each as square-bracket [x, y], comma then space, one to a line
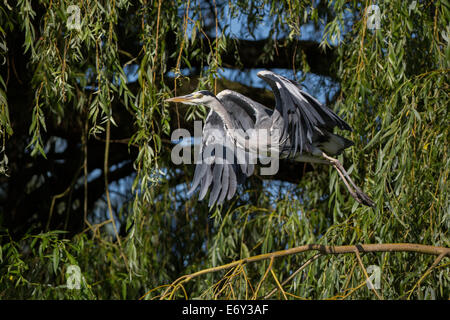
[86, 174]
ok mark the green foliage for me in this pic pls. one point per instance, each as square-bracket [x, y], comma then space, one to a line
[393, 91]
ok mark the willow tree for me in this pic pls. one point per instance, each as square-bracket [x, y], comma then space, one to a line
[91, 205]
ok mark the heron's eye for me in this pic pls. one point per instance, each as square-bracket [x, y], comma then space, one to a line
[198, 95]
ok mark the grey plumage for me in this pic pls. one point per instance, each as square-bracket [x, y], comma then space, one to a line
[305, 133]
[224, 176]
[301, 117]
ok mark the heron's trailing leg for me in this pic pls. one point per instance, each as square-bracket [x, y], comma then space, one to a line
[355, 192]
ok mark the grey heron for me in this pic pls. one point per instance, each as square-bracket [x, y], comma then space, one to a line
[304, 127]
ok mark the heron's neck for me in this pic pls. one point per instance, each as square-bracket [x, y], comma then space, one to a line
[218, 107]
[237, 135]
[245, 139]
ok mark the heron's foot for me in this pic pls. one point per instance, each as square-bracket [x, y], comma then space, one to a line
[358, 195]
[354, 190]
[363, 198]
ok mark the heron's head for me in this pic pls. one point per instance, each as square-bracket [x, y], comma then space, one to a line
[202, 97]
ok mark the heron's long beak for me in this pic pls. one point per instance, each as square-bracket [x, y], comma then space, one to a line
[180, 98]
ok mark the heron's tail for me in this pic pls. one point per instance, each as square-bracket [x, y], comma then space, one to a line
[334, 144]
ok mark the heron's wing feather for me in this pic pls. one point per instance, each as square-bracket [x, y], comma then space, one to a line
[301, 115]
[246, 112]
[214, 171]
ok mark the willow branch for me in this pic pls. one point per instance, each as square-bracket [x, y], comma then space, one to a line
[323, 249]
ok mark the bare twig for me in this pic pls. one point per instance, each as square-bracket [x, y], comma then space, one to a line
[61, 195]
[435, 263]
[278, 284]
[263, 278]
[307, 263]
[105, 172]
[358, 257]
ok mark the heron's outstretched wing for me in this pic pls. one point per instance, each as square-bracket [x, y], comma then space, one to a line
[221, 166]
[301, 115]
[247, 112]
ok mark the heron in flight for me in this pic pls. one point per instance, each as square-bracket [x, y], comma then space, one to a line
[302, 126]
